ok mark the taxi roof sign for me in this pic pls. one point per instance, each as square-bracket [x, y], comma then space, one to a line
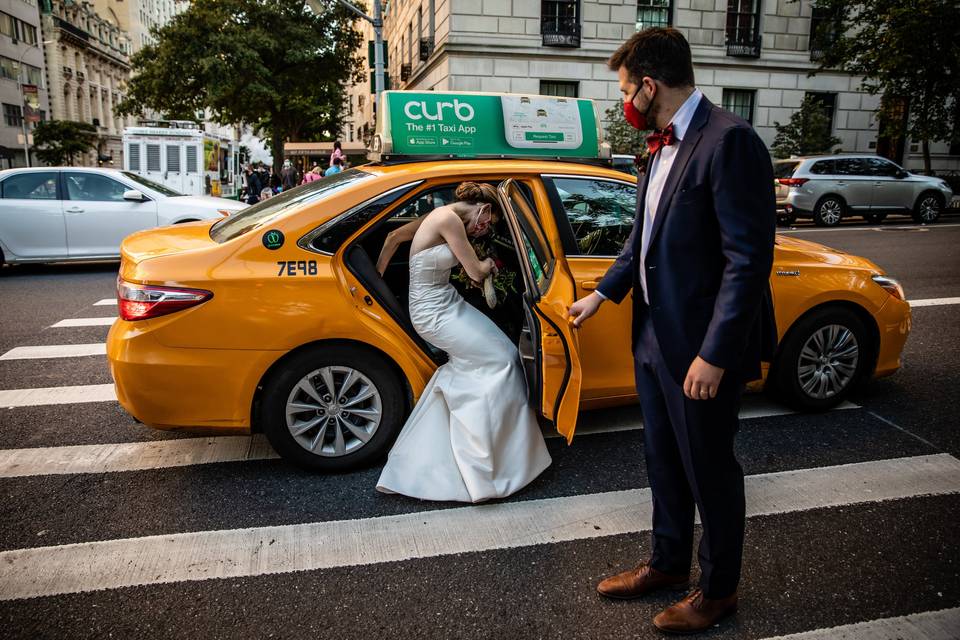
[421, 124]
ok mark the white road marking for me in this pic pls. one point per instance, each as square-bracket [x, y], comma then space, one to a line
[929, 625]
[754, 406]
[132, 456]
[203, 555]
[84, 322]
[933, 302]
[106, 302]
[908, 227]
[57, 395]
[55, 351]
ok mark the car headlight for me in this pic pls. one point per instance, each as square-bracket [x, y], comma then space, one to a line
[890, 285]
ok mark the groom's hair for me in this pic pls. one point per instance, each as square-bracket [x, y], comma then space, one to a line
[661, 53]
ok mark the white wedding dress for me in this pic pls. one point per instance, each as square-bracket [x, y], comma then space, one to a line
[472, 435]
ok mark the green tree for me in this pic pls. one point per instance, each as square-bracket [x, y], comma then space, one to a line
[623, 138]
[277, 65]
[808, 131]
[58, 142]
[903, 50]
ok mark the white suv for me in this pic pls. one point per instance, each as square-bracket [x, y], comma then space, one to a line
[827, 188]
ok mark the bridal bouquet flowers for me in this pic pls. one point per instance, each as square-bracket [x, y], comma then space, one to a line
[486, 247]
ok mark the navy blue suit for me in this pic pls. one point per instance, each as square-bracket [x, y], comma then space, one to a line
[707, 273]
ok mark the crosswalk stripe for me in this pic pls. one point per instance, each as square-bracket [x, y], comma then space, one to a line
[138, 456]
[132, 456]
[55, 351]
[57, 395]
[106, 302]
[84, 322]
[933, 302]
[929, 625]
[203, 555]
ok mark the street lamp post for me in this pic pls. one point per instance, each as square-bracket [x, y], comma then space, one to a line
[377, 21]
[23, 114]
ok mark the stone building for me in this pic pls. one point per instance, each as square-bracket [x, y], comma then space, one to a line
[750, 56]
[138, 17]
[87, 65]
[21, 62]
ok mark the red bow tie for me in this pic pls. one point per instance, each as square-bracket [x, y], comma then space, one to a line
[660, 138]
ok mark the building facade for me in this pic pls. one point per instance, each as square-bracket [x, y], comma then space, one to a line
[21, 63]
[87, 67]
[750, 56]
[138, 17]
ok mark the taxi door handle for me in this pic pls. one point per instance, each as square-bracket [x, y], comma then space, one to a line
[589, 285]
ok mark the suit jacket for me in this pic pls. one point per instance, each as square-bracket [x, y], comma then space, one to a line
[711, 251]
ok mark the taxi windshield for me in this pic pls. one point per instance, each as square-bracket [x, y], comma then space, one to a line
[243, 221]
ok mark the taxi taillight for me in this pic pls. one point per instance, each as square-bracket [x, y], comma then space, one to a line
[140, 302]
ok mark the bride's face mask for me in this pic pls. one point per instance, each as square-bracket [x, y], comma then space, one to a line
[482, 221]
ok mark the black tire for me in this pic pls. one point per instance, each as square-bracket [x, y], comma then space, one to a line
[875, 218]
[928, 207]
[829, 211]
[786, 377]
[786, 219]
[280, 388]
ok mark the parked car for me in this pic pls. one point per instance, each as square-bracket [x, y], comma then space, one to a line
[276, 319]
[83, 213]
[829, 188]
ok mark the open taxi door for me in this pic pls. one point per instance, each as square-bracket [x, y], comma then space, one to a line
[548, 346]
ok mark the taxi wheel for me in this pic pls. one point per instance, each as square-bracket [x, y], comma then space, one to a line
[821, 359]
[332, 408]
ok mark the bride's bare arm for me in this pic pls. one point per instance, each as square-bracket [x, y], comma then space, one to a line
[394, 239]
[451, 228]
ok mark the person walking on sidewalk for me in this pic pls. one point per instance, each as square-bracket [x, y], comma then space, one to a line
[288, 175]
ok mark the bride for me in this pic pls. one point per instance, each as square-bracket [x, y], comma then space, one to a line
[472, 435]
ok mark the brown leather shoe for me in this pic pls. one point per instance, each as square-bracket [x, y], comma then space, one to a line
[695, 613]
[639, 582]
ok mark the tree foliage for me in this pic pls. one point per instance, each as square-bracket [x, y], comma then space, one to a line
[623, 138]
[277, 65]
[808, 131]
[58, 142]
[903, 50]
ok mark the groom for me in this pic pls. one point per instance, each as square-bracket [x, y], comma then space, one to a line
[698, 261]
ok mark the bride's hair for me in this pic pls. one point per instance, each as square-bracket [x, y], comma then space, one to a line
[478, 193]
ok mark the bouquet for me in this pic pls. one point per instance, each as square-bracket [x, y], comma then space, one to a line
[503, 281]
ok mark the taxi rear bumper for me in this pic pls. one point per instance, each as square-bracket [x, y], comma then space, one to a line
[184, 388]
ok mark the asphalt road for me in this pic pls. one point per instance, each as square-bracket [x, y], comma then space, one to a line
[831, 561]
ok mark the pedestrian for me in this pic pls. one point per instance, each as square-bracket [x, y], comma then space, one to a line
[336, 168]
[288, 175]
[337, 153]
[266, 193]
[698, 261]
[314, 174]
[274, 182]
[251, 185]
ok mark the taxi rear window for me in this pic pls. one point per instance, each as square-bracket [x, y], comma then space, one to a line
[246, 220]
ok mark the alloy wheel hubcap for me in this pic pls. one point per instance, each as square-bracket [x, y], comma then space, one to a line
[828, 361]
[929, 209]
[333, 411]
[830, 211]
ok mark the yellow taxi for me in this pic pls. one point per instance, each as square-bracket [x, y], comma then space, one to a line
[277, 319]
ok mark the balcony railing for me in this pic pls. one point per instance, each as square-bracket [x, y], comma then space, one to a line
[426, 48]
[80, 76]
[560, 32]
[743, 45]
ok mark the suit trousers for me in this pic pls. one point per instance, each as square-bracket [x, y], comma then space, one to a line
[691, 463]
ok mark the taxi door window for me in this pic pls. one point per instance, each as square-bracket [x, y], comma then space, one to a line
[535, 246]
[601, 213]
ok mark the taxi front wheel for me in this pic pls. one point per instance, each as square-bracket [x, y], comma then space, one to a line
[332, 408]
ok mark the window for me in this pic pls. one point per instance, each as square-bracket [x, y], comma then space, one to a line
[560, 23]
[601, 213]
[850, 167]
[784, 168]
[173, 158]
[7, 25]
[31, 186]
[93, 186]
[740, 102]
[153, 157]
[824, 167]
[425, 202]
[11, 115]
[880, 167]
[743, 28]
[562, 88]
[654, 13]
[191, 159]
[133, 156]
[824, 27]
[828, 101]
[535, 245]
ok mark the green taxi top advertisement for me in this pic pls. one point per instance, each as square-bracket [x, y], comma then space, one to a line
[482, 124]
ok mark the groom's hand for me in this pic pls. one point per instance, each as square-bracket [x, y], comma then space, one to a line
[702, 381]
[584, 308]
